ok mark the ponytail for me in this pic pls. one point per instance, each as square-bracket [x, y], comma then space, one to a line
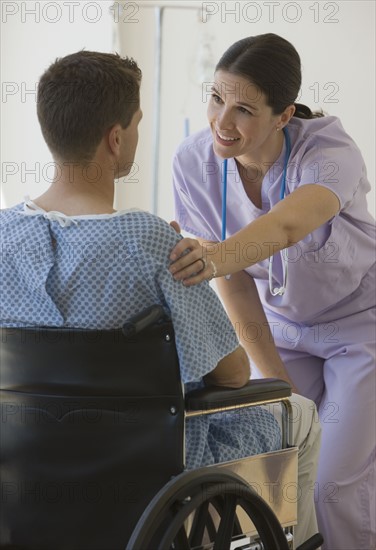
[302, 111]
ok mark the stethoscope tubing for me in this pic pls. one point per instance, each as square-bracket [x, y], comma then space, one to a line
[275, 291]
[224, 199]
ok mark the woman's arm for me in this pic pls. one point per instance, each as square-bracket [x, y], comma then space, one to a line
[245, 310]
[287, 223]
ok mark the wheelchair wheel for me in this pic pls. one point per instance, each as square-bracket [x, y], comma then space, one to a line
[197, 509]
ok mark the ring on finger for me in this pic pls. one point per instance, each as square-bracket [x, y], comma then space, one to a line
[214, 271]
[204, 264]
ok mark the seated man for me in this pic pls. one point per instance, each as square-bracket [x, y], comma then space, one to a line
[70, 260]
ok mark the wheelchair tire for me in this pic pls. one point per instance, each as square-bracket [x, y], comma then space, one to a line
[162, 525]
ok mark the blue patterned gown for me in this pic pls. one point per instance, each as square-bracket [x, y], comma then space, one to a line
[96, 271]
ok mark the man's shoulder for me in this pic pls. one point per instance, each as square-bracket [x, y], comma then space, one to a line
[149, 228]
[11, 210]
[11, 215]
[144, 218]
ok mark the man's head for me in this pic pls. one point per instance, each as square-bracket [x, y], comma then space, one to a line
[83, 95]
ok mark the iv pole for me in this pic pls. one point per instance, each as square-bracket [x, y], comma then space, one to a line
[159, 7]
[157, 108]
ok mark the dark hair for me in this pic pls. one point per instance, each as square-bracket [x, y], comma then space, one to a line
[273, 65]
[82, 95]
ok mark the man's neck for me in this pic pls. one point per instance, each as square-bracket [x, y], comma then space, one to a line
[79, 190]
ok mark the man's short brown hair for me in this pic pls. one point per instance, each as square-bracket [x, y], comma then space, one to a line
[81, 96]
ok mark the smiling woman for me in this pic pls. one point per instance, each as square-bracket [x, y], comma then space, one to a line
[322, 212]
[244, 129]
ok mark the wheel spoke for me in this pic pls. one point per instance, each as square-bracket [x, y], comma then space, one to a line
[226, 526]
[181, 540]
[162, 524]
[200, 521]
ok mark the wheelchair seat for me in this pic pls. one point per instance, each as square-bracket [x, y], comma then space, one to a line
[92, 440]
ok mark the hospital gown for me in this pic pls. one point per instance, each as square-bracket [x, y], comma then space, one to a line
[95, 272]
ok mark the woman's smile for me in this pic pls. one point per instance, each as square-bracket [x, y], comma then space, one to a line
[226, 140]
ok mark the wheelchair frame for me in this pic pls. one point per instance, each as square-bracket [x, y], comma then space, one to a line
[209, 497]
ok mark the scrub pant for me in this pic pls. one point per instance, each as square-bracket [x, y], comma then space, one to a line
[333, 364]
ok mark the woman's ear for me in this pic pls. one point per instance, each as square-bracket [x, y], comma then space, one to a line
[287, 114]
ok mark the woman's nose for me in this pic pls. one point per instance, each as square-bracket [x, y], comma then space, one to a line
[224, 120]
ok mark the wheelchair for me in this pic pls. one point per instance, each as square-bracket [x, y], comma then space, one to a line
[92, 448]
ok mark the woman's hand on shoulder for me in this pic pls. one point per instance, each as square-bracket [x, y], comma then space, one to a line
[191, 262]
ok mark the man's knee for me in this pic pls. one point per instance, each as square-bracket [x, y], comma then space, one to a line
[305, 421]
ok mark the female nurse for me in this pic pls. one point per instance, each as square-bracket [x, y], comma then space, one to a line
[276, 196]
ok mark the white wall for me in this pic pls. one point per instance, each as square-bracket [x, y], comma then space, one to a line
[336, 42]
[33, 35]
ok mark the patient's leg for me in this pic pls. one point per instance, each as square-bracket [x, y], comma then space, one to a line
[306, 436]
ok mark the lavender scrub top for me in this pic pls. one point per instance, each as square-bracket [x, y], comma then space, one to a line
[331, 271]
[95, 272]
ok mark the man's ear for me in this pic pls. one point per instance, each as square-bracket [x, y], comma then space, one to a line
[114, 139]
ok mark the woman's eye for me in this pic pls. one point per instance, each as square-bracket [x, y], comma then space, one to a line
[216, 98]
[244, 110]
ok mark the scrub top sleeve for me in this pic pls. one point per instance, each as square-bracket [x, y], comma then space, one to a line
[203, 332]
[337, 167]
[186, 213]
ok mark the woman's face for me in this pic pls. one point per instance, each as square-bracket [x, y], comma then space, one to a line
[242, 124]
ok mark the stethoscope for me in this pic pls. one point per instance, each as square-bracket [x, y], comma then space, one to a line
[274, 290]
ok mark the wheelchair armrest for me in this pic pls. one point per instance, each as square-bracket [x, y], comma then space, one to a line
[255, 391]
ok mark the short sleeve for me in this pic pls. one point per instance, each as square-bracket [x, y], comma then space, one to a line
[187, 215]
[332, 160]
[204, 334]
[203, 331]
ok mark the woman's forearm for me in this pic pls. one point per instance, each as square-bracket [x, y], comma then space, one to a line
[256, 242]
[285, 224]
[243, 305]
[288, 222]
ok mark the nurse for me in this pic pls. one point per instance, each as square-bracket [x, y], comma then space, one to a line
[292, 249]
